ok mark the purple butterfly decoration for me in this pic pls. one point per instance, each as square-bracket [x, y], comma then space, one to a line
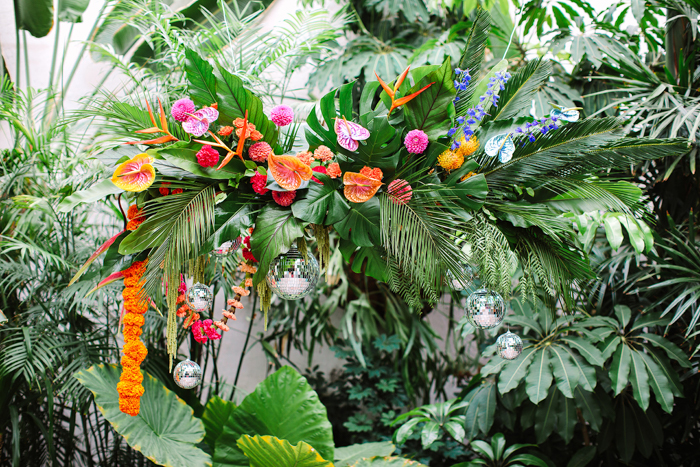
[349, 134]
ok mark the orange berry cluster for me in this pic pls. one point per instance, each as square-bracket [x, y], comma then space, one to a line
[135, 216]
[129, 387]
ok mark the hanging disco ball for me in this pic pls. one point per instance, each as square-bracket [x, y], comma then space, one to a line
[187, 374]
[199, 298]
[509, 345]
[227, 248]
[456, 284]
[485, 309]
[291, 277]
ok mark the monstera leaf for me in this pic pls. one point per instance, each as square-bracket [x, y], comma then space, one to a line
[284, 406]
[361, 225]
[275, 231]
[165, 431]
[322, 202]
[266, 451]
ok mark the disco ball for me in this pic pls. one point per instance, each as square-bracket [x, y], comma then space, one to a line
[485, 309]
[227, 248]
[187, 374]
[456, 284]
[199, 298]
[509, 345]
[291, 277]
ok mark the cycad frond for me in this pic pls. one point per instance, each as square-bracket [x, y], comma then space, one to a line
[516, 97]
[473, 56]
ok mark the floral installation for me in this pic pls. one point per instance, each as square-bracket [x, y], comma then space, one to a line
[417, 177]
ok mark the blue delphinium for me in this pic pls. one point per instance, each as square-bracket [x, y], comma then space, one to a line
[477, 113]
[544, 126]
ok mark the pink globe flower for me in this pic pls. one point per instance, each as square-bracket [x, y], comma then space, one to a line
[284, 198]
[282, 115]
[182, 109]
[400, 192]
[258, 152]
[198, 123]
[259, 182]
[416, 141]
[208, 156]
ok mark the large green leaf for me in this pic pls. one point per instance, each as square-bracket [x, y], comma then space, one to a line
[36, 16]
[473, 56]
[429, 111]
[235, 99]
[186, 159]
[322, 203]
[231, 217]
[216, 412]
[72, 10]
[367, 260]
[539, 376]
[165, 431]
[361, 225]
[275, 231]
[284, 406]
[659, 383]
[620, 368]
[480, 411]
[348, 455]
[200, 75]
[639, 379]
[381, 149]
[96, 192]
[566, 374]
[546, 415]
[267, 451]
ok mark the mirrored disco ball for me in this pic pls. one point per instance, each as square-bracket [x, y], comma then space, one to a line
[291, 277]
[227, 248]
[187, 374]
[456, 284]
[199, 298]
[485, 309]
[509, 345]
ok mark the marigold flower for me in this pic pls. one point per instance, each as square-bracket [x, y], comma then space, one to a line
[323, 153]
[132, 319]
[133, 282]
[133, 212]
[130, 405]
[129, 389]
[131, 373]
[132, 332]
[245, 267]
[228, 315]
[306, 157]
[225, 130]
[221, 326]
[177, 191]
[136, 350]
[334, 170]
[241, 291]
[164, 190]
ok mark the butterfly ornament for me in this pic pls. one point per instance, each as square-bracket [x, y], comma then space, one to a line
[349, 134]
[501, 146]
[570, 114]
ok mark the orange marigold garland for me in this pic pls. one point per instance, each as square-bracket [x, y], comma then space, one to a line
[129, 387]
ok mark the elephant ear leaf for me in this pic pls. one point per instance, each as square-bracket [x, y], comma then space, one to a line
[264, 451]
[165, 431]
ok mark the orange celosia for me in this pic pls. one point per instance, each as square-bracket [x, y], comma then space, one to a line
[177, 191]
[376, 173]
[235, 303]
[226, 130]
[306, 157]
[129, 387]
[241, 291]
[247, 268]
[249, 282]
[323, 153]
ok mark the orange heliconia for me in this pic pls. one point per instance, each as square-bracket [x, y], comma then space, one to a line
[360, 188]
[288, 171]
[136, 174]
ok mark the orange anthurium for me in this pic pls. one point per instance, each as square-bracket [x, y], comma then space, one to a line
[136, 174]
[360, 188]
[392, 92]
[288, 171]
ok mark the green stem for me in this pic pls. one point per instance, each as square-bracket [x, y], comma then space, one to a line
[245, 346]
[26, 61]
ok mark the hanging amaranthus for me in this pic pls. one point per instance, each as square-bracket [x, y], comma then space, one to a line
[129, 386]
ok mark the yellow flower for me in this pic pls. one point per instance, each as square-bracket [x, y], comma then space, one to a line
[450, 160]
[467, 148]
[470, 174]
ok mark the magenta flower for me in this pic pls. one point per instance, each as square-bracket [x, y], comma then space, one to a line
[211, 333]
[182, 109]
[282, 115]
[400, 192]
[198, 331]
[198, 123]
[416, 141]
[208, 156]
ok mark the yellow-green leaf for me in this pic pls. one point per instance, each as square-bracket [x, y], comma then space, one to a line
[267, 451]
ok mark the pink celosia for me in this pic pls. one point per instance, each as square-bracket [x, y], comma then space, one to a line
[284, 198]
[416, 141]
[282, 115]
[258, 152]
[182, 108]
[259, 183]
[400, 192]
[319, 169]
[207, 156]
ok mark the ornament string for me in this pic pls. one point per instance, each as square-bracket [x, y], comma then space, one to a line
[516, 23]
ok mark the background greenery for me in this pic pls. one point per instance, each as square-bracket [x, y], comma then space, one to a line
[612, 382]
